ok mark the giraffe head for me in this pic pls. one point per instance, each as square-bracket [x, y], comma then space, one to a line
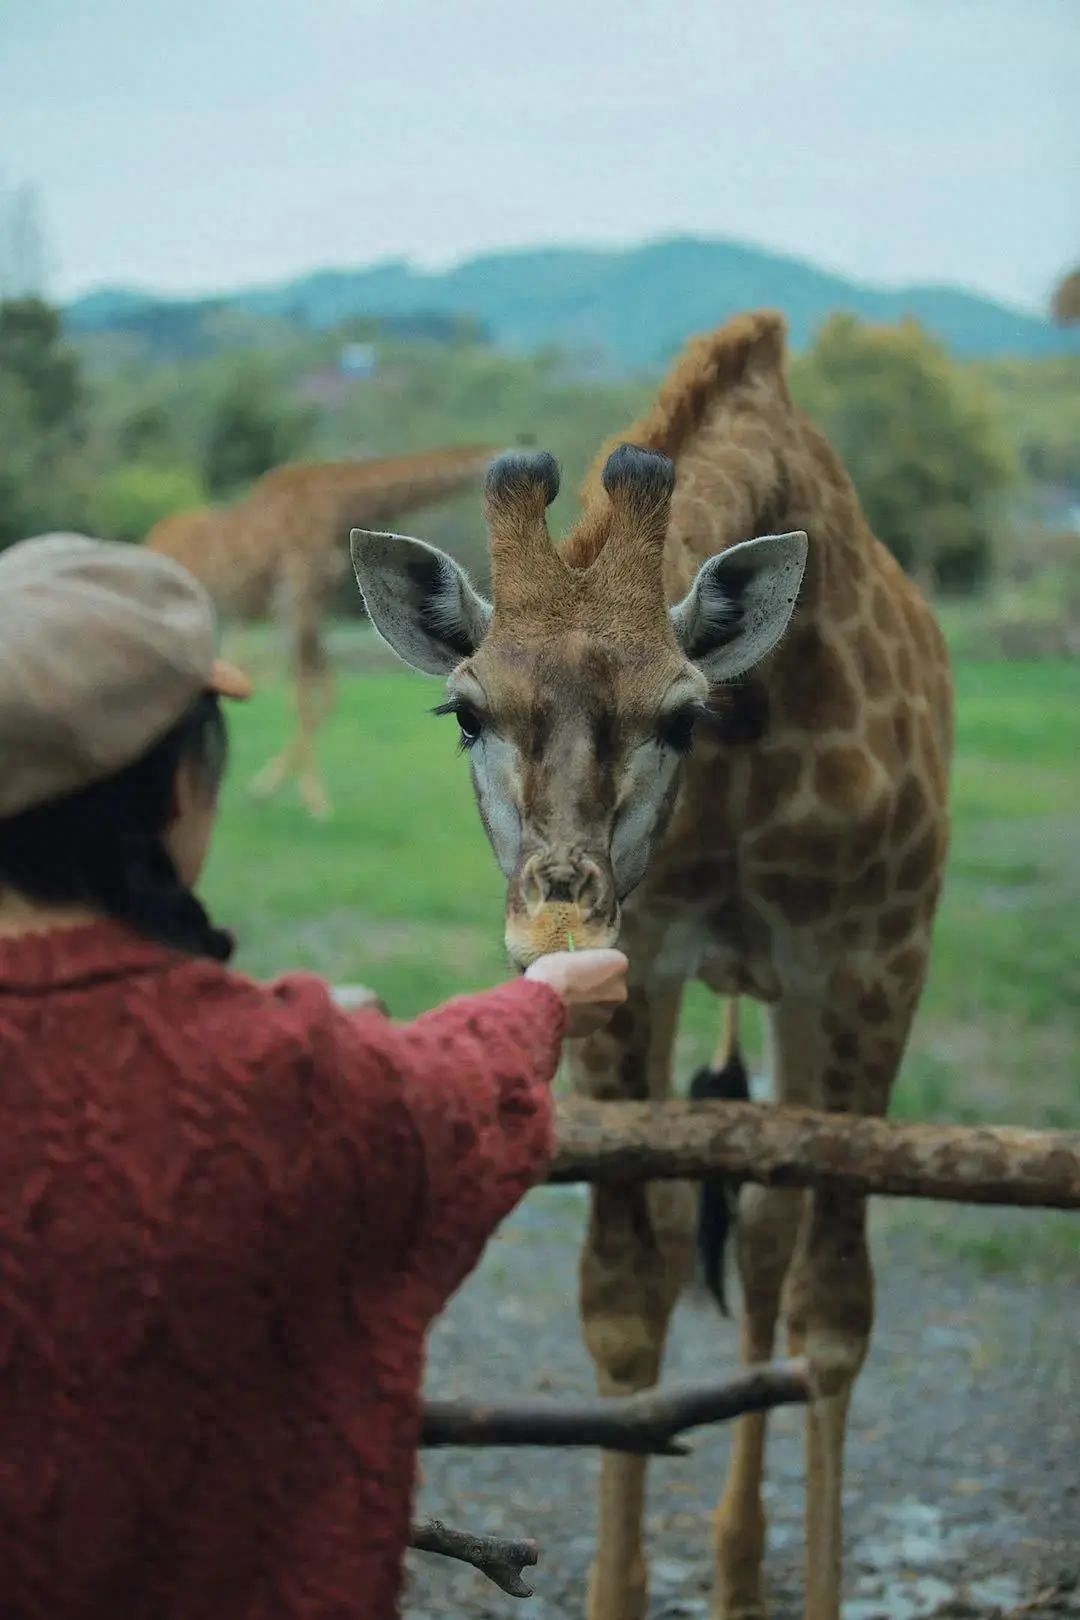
[578, 689]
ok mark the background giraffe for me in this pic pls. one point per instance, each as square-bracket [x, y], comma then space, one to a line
[281, 550]
[779, 834]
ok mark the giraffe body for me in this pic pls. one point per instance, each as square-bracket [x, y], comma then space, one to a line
[792, 854]
[280, 552]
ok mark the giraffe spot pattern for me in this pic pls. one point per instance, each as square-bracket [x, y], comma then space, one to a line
[817, 692]
[874, 1007]
[844, 778]
[808, 846]
[919, 865]
[872, 664]
[774, 778]
[908, 811]
[870, 887]
[895, 924]
[801, 900]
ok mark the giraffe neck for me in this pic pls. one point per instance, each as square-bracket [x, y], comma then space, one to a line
[748, 461]
[767, 470]
[371, 491]
[411, 487]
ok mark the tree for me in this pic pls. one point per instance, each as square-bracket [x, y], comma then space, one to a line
[253, 427]
[33, 351]
[22, 244]
[921, 439]
[145, 433]
[41, 420]
[131, 499]
[1065, 307]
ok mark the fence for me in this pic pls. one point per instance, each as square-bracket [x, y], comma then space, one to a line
[780, 1147]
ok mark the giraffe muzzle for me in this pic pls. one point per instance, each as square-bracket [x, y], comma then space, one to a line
[556, 904]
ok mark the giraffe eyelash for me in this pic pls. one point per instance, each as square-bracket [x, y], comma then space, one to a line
[469, 718]
[676, 730]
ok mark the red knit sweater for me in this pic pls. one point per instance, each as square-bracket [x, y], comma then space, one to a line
[227, 1216]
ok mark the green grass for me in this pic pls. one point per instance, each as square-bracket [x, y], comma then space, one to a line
[400, 891]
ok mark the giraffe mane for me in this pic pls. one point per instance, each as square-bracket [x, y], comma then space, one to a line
[744, 348]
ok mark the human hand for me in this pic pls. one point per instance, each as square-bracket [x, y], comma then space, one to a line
[592, 983]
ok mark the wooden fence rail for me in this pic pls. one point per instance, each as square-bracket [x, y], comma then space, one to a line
[799, 1147]
[779, 1147]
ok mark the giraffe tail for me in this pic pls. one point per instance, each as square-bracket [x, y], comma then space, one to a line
[725, 1080]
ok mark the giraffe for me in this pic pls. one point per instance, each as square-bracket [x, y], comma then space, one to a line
[279, 549]
[730, 755]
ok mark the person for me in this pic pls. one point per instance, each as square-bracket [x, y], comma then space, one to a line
[228, 1212]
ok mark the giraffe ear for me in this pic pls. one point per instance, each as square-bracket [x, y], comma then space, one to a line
[739, 605]
[419, 600]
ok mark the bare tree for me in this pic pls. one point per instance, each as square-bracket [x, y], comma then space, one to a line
[23, 252]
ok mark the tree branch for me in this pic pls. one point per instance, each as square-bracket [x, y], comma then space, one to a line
[645, 1423]
[799, 1147]
[500, 1560]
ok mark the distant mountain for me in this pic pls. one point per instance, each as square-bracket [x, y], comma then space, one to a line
[626, 310]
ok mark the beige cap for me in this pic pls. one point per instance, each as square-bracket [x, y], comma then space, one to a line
[103, 647]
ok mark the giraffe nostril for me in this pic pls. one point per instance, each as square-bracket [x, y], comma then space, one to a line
[564, 883]
[589, 885]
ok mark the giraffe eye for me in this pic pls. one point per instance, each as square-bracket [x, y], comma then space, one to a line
[676, 730]
[470, 723]
[469, 719]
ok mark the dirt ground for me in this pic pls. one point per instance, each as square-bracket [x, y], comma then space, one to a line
[963, 1483]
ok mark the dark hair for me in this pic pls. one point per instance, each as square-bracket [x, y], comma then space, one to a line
[104, 846]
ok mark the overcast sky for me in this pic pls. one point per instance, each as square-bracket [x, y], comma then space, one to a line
[190, 145]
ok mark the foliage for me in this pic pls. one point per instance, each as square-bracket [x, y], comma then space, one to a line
[1065, 306]
[252, 428]
[913, 426]
[145, 433]
[33, 351]
[1040, 403]
[922, 441]
[42, 422]
[431, 395]
[135, 496]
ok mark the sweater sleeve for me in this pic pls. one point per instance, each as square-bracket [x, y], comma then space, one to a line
[446, 1121]
[475, 1077]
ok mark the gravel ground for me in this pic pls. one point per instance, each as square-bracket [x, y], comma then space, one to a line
[963, 1482]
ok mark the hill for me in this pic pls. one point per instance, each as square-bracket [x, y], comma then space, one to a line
[619, 311]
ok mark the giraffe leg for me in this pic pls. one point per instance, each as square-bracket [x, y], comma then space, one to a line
[828, 1302]
[314, 701]
[830, 1309]
[767, 1224]
[766, 1231]
[311, 711]
[273, 775]
[636, 1261]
